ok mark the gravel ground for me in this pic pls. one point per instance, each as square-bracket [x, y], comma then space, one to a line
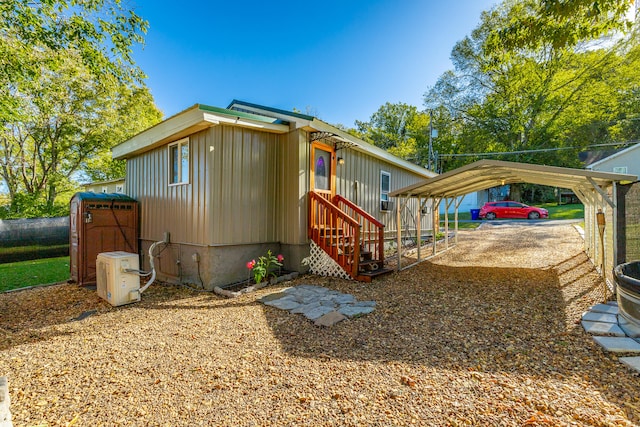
[486, 333]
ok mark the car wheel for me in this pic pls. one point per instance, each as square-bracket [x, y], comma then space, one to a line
[490, 216]
[534, 215]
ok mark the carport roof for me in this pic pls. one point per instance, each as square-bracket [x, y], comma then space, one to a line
[485, 174]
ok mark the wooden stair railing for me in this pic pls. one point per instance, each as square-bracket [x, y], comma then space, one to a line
[350, 235]
[371, 231]
[335, 232]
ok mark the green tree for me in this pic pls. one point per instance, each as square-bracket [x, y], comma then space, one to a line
[398, 128]
[513, 97]
[67, 116]
[134, 112]
[70, 91]
[103, 33]
[559, 24]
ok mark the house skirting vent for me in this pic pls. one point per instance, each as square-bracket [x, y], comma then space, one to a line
[321, 264]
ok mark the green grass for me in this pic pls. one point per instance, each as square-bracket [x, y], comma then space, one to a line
[461, 225]
[33, 248]
[462, 216]
[32, 273]
[575, 211]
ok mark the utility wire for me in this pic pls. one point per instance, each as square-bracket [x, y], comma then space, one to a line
[540, 150]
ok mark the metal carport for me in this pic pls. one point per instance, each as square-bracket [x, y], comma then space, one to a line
[596, 190]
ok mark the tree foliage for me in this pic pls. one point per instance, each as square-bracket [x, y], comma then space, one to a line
[518, 87]
[398, 128]
[70, 91]
[559, 24]
[103, 32]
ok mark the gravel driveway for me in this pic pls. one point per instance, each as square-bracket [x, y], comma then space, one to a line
[485, 334]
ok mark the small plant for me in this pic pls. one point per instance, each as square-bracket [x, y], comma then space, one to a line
[250, 266]
[262, 268]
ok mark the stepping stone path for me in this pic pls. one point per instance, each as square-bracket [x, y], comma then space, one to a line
[325, 307]
[601, 321]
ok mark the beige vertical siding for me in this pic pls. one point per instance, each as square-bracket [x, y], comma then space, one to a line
[293, 184]
[366, 193]
[243, 186]
[231, 196]
[178, 209]
[246, 187]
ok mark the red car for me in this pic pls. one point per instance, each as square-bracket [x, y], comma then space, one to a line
[505, 209]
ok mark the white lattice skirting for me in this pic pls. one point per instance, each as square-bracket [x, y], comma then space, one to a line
[321, 264]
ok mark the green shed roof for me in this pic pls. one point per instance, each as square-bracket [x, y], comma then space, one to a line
[91, 196]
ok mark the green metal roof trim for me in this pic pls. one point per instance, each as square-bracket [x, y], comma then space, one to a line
[274, 110]
[241, 114]
[91, 196]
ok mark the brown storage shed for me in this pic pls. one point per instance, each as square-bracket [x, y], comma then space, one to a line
[99, 222]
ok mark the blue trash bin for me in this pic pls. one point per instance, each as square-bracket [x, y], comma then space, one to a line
[475, 214]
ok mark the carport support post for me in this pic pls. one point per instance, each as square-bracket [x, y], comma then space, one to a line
[399, 233]
[434, 211]
[446, 222]
[614, 226]
[600, 219]
[419, 226]
[455, 217]
[586, 201]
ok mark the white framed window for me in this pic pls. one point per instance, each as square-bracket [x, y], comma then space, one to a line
[179, 162]
[119, 188]
[620, 169]
[385, 188]
[105, 189]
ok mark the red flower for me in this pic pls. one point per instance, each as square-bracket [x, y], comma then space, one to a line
[251, 264]
[280, 258]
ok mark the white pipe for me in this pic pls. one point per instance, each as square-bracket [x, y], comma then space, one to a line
[153, 268]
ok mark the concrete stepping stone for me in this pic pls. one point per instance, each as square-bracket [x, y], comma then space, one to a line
[330, 319]
[317, 312]
[352, 311]
[618, 344]
[319, 304]
[632, 362]
[303, 308]
[344, 299]
[604, 308]
[592, 316]
[602, 328]
[285, 303]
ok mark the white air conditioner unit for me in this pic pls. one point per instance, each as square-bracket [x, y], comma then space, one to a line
[113, 282]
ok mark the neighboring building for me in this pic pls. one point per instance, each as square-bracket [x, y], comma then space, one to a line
[111, 186]
[626, 161]
[226, 185]
[470, 201]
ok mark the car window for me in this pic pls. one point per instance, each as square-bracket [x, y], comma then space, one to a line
[502, 204]
[516, 205]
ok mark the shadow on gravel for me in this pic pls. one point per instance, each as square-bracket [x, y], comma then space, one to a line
[31, 315]
[508, 321]
[489, 319]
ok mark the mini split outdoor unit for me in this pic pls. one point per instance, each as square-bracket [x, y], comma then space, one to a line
[117, 279]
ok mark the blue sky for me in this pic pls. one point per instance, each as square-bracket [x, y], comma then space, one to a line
[339, 60]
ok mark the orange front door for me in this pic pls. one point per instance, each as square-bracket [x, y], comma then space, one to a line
[323, 166]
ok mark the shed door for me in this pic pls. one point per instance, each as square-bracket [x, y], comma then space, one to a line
[323, 177]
